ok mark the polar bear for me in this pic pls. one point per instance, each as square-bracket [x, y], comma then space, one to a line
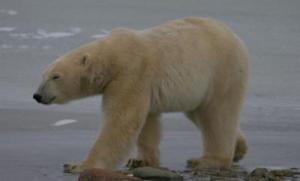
[193, 65]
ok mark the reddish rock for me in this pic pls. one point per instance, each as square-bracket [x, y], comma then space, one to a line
[104, 175]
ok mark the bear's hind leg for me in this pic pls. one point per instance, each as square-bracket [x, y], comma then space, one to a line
[218, 122]
[240, 147]
[148, 144]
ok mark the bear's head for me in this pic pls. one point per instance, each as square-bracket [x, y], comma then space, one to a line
[77, 74]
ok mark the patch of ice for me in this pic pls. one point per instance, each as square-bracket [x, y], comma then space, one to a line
[7, 29]
[12, 12]
[64, 122]
[43, 34]
[9, 12]
[98, 36]
[24, 47]
[104, 33]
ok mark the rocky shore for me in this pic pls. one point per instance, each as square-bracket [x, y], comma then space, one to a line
[164, 174]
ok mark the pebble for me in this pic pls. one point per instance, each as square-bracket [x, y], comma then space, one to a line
[104, 175]
[259, 172]
[156, 174]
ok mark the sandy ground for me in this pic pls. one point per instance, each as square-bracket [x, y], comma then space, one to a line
[34, 32]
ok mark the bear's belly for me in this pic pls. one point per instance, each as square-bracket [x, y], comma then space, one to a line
[178, 95]
[179, 103]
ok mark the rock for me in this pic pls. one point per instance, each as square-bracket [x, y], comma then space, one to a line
[104, 175]
[260, 172]
[134, 163]
[282, 173]
[237, 173]
[156, 174]
[263, 173]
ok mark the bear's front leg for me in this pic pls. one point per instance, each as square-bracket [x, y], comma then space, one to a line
[124, 118]
[148, 144]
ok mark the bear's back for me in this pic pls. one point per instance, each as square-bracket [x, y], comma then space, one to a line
[186, 55]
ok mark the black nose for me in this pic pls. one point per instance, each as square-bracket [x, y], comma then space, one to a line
[37, 97]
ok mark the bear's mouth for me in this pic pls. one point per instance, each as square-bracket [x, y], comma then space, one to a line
[49, 101]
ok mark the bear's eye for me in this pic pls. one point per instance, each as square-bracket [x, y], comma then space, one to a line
[55, 77]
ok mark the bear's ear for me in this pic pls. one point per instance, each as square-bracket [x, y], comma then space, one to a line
[84, 60]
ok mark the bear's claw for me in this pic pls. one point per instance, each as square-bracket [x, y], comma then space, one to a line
[135, 163]
[204, 163]
[72, 167]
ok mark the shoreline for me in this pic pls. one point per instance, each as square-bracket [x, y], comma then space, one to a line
[33, 146]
